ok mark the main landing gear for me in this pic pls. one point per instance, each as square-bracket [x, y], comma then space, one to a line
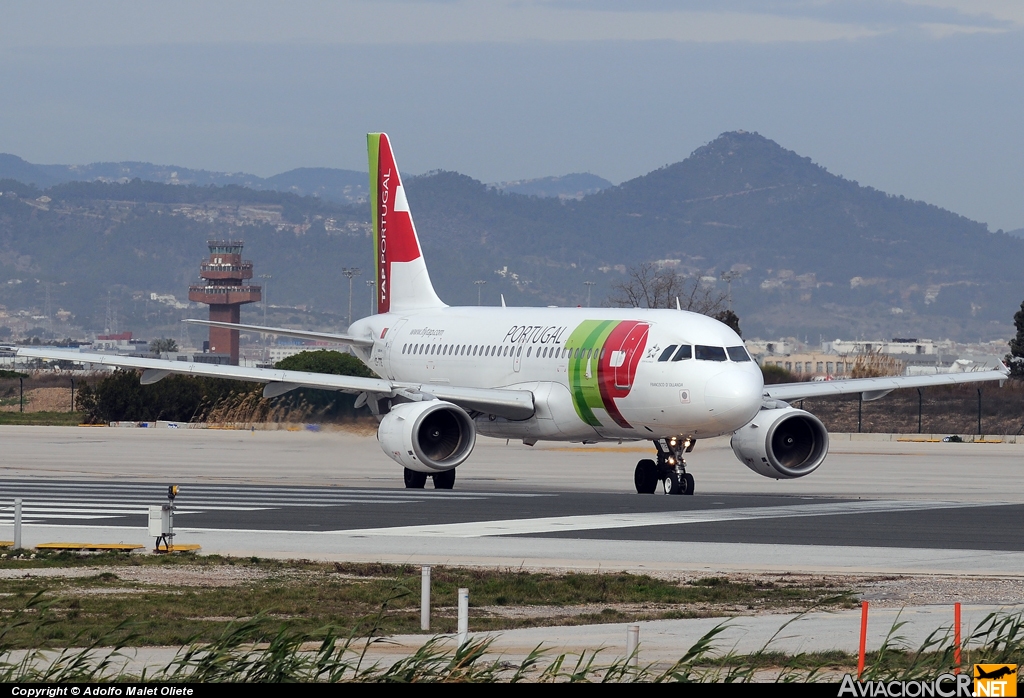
[444, 480]
[669, 472]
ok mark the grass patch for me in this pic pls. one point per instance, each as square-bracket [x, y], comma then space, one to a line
[45, 419]
[171, 600]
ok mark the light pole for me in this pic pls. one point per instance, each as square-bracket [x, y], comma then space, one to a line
[266, 278]
[589, 285]
[371, 284]
[349, 272]
[727, 277]
[264, 340]
[479, 287]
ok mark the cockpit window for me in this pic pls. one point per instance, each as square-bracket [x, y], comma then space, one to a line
[738, 353]
[685, 352]
[705, 353]
[667, 353]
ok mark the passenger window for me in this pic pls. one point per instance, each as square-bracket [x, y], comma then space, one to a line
[668, 352]
[738, 354]
[685, 352]
[705, 353]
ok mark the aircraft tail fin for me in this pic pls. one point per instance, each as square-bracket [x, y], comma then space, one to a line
[402, 279]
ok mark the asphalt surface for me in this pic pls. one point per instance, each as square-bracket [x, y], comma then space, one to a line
[720, 518]
[884, 507]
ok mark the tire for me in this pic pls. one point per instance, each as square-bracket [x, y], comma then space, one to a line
[671, 485]
[645, 477]
[688, 483]
[414, 480]
[445, 480]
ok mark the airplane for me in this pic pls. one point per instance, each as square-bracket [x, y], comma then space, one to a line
[448, 374]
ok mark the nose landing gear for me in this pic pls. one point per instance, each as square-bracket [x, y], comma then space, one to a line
[670, 469]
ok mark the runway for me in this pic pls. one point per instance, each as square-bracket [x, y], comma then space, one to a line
[872, 508]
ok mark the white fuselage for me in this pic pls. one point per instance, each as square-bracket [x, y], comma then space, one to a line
[597, 374]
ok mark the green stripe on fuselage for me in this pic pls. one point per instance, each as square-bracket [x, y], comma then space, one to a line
[586, 393]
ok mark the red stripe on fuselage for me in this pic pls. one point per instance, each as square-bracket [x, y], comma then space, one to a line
[630, 337]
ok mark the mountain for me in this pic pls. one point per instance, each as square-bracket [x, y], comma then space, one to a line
[13, 167]
[342, 186]
[818, 255]
[570, 186]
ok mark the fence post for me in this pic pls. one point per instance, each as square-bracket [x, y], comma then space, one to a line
[863, 638]
[632, 643]
[920, 404]
[463, 617]
[17, 523]
[956, 637]
[979, 411]
[860, 408]
[425, 598]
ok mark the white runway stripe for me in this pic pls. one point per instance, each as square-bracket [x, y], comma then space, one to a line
[260, 502]
[45, 500]
[10, 487]
[558, 524]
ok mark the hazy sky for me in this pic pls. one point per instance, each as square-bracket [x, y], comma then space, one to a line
[916, 97]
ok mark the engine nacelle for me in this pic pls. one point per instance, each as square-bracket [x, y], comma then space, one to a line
[782, 443]
[430, 436]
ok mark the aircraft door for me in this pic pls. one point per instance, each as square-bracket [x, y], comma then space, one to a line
[517, 357]
[390, 360]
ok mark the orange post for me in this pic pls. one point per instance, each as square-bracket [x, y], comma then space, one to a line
[863, 637]
[956, 636]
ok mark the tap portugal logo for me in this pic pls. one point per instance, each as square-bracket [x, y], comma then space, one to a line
[602, 366]
[394, 238]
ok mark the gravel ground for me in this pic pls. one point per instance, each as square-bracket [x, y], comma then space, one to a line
[171, 575]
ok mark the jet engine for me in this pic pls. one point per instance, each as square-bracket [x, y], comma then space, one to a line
[782, 443]
[429, 437]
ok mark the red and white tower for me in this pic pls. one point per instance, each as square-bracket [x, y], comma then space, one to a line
[226, 290]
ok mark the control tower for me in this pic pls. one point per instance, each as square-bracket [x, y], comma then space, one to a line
[225, 292]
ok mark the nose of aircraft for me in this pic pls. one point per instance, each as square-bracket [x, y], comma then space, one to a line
[733, 396]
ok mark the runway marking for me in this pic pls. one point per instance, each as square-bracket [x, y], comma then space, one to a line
[559, 524]
[86, 501]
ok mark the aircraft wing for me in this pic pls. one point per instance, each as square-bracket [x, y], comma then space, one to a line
[875, 388]
[511, 404]
[300, 334]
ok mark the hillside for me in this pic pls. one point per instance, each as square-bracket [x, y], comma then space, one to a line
[818, 254]
[339, 186]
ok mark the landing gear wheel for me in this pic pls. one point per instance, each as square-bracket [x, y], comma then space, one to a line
[414, 480]
[445, 480]
[687, 483]
[645, 477]
[671, 484]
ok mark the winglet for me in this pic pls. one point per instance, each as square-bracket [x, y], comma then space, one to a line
[402, 279]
